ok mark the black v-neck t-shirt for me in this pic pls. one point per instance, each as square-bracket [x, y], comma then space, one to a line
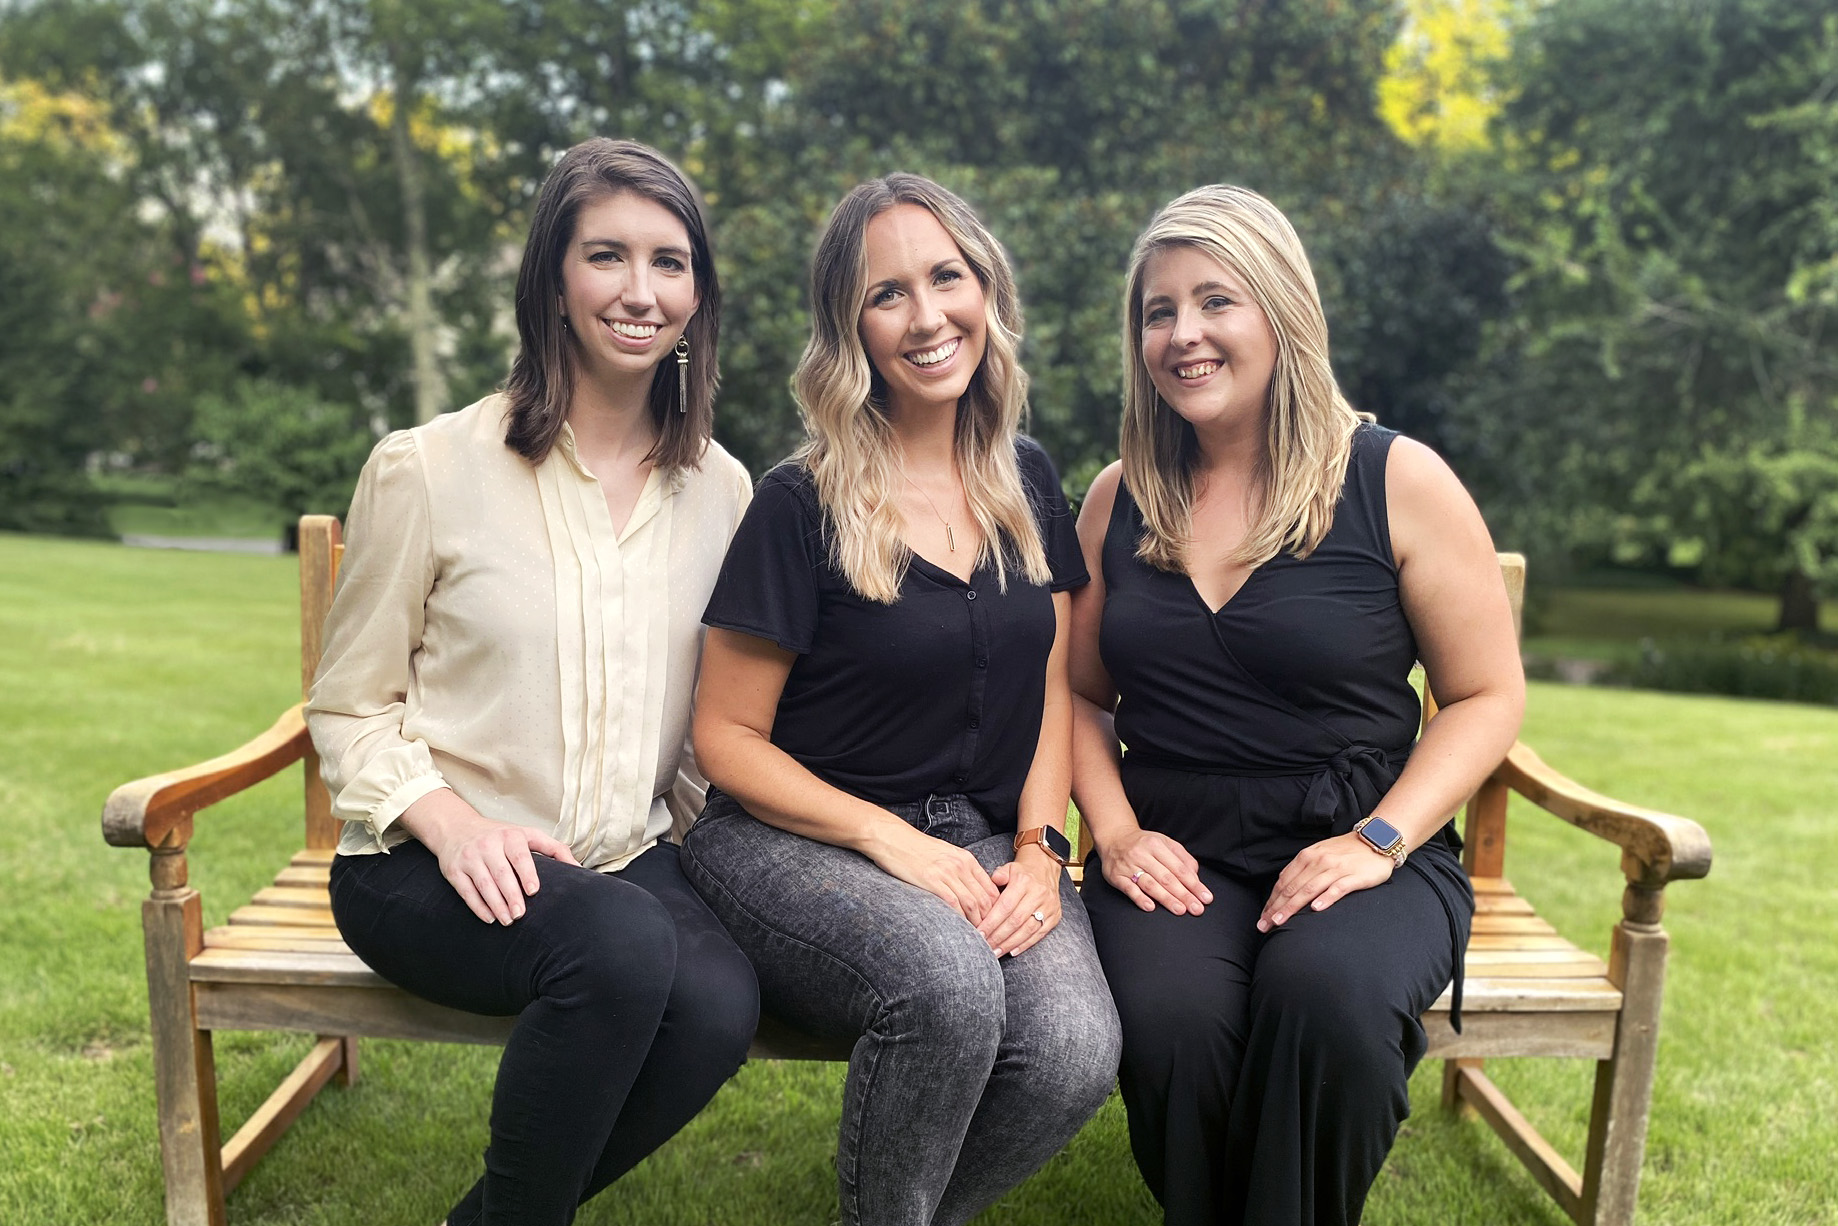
[940, 692]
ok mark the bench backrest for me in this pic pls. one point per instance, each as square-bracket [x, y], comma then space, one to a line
[322, 548]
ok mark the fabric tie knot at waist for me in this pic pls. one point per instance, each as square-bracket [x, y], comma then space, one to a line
[1333, 799]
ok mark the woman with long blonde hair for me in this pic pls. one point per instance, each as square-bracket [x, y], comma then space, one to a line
[1277, 897]
[885, 717]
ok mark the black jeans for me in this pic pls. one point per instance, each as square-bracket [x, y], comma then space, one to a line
[633, 1007]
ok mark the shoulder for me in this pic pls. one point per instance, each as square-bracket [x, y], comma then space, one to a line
[788, 491]
[1036, 466]
[1102, 496]
[472, 435]
[1372, 442]
[719, 473]
[1424, 496]
[1412, 469]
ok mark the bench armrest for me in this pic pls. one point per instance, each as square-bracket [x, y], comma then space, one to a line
[1655, 847]
[149, 812]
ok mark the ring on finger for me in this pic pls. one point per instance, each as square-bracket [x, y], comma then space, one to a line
[1040, 917]
[1136, 876]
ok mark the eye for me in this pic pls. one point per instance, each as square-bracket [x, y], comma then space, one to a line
[669, 263]
[1157, 315]
[1216, 302]
[603, 257]
[881, 297]
[946, 276]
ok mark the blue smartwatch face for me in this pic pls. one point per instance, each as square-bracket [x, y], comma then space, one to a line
[1381, 834]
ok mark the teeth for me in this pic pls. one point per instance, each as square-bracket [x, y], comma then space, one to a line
[932, 357]
[1199, 370]
[638, 332]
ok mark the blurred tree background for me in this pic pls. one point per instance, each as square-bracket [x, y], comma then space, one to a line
[1585, 248]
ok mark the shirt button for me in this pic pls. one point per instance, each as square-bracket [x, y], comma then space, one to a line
[982, 662]
[975, 724]
[960, 778]
[969, 595]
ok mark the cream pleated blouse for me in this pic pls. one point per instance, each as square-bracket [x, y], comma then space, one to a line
[494, 634]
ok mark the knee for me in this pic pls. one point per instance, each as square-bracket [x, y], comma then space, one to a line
[957, 1003]
[1180, 1029]
[1081, 1046]
[716, 998]
[1342, 1016]
[606, 941]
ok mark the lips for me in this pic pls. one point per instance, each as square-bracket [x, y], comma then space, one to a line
[630, 331]
[938, 355]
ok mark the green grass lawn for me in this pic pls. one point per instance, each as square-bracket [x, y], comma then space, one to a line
[115, 663]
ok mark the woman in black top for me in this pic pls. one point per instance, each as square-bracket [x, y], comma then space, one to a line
[885, 714]
[1279, 897]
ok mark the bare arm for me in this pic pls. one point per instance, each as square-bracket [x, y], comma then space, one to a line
[1030, 883]
[737, 700]
[1450, 586]
[1149, 868]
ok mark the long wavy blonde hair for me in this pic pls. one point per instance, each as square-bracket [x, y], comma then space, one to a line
[1308, 423]
[850, 447]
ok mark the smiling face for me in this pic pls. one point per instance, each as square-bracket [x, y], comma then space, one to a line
[628, 290]
[923, 322]
[1208, 346]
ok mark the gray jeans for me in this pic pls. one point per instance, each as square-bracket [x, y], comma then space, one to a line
[968, 1073]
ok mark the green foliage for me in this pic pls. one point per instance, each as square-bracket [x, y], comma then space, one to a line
[265, 143]
[1667, 172]
[1777, 666]
[282, 445]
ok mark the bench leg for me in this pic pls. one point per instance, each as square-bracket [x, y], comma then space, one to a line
[1451, 1085]
[274, 1117]
[1624, 1082]
[184, 1071]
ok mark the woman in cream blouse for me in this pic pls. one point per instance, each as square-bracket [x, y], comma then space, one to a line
[504, 699]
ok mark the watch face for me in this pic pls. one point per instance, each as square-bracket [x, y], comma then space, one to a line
[1381, 834]
[1056, 843]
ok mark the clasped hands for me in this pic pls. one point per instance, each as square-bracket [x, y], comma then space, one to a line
[1002, 904]
[1151, 870]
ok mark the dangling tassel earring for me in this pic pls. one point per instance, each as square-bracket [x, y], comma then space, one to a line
[682, 374]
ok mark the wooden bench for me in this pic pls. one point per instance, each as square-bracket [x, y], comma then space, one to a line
[279, 964]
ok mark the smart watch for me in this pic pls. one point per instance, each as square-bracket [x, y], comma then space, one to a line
[1051, 841]
[1383, 837]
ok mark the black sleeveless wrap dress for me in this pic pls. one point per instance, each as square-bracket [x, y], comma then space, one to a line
[1251, 733]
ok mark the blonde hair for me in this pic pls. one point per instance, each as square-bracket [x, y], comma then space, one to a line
[1308, 423]
[850, 448]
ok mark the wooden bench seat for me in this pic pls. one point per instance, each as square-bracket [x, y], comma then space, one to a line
[278, 963]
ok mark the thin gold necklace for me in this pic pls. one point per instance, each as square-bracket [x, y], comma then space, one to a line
[950, 538]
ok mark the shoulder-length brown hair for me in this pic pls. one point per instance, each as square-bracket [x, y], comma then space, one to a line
[541, 382]
[1308, 434]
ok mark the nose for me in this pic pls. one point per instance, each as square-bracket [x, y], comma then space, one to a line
[928, 314]
[640, 295]
[1186, 330]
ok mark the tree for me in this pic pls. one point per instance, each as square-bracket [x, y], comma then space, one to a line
[1674, 175]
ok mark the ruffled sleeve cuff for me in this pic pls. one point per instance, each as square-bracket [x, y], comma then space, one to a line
[389, 783]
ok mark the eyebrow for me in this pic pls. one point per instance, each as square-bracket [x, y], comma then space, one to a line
[1205, 287]
[885, 282]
